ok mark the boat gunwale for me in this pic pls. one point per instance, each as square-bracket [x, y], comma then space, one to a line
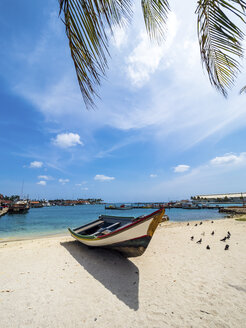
[115, 232]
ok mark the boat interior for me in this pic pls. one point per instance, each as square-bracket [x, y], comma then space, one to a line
[104, 225]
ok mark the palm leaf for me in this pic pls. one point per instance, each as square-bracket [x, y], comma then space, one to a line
[243, 90]
[86, 22]
[220, 40]
[155, 14]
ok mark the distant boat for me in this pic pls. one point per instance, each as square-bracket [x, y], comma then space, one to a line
[120, 207]
[191, 207]
[110, 207]
[19, 207]
[128, 235]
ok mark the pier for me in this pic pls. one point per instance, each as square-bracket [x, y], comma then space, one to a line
[3, 211]
[233, 210]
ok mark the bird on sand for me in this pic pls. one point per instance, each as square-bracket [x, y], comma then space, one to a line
[196, 225]
[207, 247]
[188, 224]
[199, 241]
[224, 239]
[212, 233]
[192, 237]
[212, 221]
[226, 247]
[200, 223]
[228, 235]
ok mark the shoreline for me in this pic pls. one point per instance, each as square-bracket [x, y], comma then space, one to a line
[33, 237]
[64, 234]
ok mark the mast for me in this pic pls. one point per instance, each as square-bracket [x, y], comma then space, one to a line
[22, 188]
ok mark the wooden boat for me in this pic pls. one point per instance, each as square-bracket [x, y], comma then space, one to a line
[121, 207]
[128, 235]
[19, 207]
[191, 207]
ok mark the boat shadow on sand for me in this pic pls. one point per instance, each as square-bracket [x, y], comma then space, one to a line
[115, 272]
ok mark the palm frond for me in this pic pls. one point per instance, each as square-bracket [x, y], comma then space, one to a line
[155, 14]
[86, 22]
[243, 90]
[220, 40]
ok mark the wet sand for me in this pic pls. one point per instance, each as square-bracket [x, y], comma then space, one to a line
[57, 282]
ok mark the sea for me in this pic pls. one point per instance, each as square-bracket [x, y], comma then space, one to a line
[56, 219]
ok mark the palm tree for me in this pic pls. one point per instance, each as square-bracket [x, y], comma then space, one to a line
[86, 22]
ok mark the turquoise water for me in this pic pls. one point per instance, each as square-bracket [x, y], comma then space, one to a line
[56, 219]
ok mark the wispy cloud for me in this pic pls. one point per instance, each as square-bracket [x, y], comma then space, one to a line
[153, 176]
[45, 177]
[102, 178]
[63, 181]
[81, 183]
[42, 183]
[145, 58]
[120, 37]
[181, 168]
[36, 165]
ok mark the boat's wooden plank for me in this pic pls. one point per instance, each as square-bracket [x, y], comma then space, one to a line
[88, 226]
[106, 229]
[121, 218]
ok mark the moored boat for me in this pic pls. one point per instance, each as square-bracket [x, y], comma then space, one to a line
[120, 207]
[128, 235]
[191, 207]
[19, 207]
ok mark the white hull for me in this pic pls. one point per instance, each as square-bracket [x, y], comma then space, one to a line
[132, 233]
[131, 238]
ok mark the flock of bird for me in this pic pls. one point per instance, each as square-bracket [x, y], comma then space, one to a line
[228, 236]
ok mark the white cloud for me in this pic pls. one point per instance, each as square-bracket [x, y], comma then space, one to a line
[66, 140]
[42, 183]
[81, 184]
[181, 168]
[85, 188]
[229, 159]
[153, 175]
[63, 181]
[143, 61]
[119, 38]
[36, 165]
[101, 177]
[45, 177]
[146, 56]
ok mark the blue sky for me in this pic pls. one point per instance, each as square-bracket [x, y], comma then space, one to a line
[159, 132]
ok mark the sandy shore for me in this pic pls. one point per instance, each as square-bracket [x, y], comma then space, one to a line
[57, 282]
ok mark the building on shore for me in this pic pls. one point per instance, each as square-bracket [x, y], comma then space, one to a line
[229, 197]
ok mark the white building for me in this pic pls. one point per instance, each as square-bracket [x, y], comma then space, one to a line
[234, 197]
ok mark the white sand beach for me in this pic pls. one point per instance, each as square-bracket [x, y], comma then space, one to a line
[57, 282]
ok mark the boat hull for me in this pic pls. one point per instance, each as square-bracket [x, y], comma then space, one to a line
[16, 210]
[133, 247]
[131, 240]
